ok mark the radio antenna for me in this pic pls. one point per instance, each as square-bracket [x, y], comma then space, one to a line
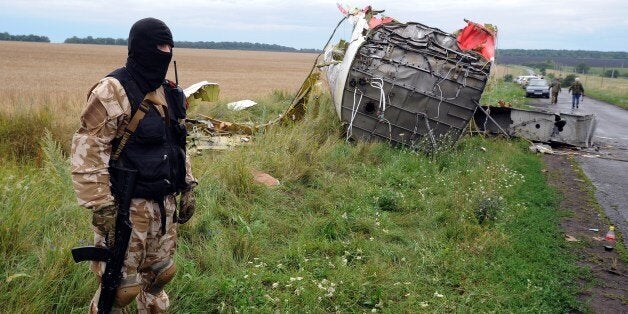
[176, 74]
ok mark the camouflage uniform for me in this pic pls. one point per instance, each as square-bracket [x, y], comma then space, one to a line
[555, 88]
[150, 253]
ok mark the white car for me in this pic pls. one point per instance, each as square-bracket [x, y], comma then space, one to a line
[537, 88]
[523, 80]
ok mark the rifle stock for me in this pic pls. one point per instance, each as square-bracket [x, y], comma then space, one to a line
[90, 253]
[123, 185]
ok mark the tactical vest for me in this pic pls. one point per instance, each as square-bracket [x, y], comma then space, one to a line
[157, 146]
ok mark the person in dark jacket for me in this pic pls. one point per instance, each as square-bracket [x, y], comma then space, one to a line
[576, 89]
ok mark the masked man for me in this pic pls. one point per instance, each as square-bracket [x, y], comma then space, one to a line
[153, 143]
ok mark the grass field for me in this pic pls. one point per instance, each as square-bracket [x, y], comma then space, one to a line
[351, 228]
[499, 90]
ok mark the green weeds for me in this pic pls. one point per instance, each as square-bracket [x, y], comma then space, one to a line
[510, 92]
[351, 228]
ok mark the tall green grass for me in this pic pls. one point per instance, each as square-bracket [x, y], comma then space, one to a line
[267, 109]
[498, 90]
[21, 132]
[351, 228]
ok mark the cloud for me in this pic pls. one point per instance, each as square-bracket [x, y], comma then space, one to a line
[535, 23]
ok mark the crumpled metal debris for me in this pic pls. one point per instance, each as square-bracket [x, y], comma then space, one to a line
[541, 148]
[204, 91]
[241, 104]
[208, 133]
[406, 83]
[539, 126]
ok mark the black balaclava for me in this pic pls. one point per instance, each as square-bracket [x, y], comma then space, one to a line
[145, 62]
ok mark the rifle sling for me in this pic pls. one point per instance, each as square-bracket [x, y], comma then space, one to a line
[130, 128]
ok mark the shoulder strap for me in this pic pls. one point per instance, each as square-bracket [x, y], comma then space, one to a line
[130, 128]
[130, 87]
[138, 108]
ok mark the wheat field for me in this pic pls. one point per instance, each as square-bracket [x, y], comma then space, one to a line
[43, 74]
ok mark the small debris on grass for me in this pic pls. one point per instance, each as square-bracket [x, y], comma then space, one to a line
[12, 277]
[569, 238]
[594, 229]
[579, 180]
[240, 105]
[264, 178]
[541, 148]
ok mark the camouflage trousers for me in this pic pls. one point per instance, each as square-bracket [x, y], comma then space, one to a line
[554, 99]
[149, 259]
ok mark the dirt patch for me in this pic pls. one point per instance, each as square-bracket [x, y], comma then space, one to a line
[606, 291]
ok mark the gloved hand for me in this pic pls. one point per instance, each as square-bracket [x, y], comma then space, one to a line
[104, 218]
[187, 205]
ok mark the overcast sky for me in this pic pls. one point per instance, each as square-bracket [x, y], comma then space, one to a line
[528, 24]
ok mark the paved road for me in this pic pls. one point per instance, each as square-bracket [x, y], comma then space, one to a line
[609, 174]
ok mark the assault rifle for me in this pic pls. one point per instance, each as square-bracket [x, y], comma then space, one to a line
[114, 255]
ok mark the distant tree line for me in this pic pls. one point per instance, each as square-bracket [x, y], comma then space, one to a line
[548, 53]
[580, 68]
[96, 41]
[226, 45]
[235, 45]
[571, 58]
[31, 37]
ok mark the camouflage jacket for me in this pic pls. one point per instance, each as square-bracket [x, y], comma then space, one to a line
[555, 87]
[576, 88]
[104, 118]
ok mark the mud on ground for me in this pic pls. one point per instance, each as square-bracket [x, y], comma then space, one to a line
[606, 291]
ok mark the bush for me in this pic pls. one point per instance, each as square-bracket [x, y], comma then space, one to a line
[20, 134]
[583, 68]
[508, 78]
[611, 73]
[568, 80]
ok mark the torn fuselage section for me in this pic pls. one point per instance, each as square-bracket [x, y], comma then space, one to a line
[539, 126]
[405, 83]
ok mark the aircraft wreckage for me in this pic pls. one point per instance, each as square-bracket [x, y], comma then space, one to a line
[405, 83]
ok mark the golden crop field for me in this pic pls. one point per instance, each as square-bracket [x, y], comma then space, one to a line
[43, 74]
[44, 86]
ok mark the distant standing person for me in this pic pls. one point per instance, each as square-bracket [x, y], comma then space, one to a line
[555, 89]
[576, 90]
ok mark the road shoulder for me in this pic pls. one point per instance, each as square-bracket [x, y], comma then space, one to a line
[606, 289]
